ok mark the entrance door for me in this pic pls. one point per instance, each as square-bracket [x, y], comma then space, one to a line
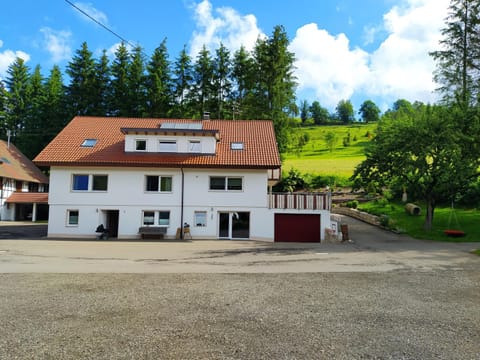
[112, 223]
[234, 225]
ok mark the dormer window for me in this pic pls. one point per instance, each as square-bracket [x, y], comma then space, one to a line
[236, 145]
[168, 146]
[194, 146]
[141, 145]
[89, 143]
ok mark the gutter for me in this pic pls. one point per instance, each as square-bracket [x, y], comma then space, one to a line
[181, 203]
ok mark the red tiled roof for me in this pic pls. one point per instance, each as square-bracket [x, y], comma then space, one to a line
[258, 136]
[15, 165]
[28, 198]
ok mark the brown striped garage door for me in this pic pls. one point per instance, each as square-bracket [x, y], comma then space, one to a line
[297, 228]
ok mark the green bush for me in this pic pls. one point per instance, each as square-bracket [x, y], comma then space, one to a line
[352, 204]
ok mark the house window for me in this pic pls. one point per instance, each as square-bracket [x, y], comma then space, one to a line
[164, 218]
[72, 217]
[155, 183]
[81, 182]
[148, 218]
[161, 218]
[99, 182]
[194, 146]
[200, 218]
[236, 145]
[89, 143]
[226, 183]
[140, 145]
[168, 146]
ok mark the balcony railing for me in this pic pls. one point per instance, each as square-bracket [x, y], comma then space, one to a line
[300, 201]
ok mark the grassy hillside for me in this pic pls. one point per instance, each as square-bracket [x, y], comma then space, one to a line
[316, 158]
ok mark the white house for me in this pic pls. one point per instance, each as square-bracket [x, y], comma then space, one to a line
[214, 175]
[23, 187]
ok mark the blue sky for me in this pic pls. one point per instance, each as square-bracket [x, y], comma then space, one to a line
[345, 49]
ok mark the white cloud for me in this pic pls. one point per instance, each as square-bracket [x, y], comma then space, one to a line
[57, 43]
[7, 57]
[223, 25]
[399, 68]
[92, 11]
[327, 64]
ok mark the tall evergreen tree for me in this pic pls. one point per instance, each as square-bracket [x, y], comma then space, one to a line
[183, 82]
[53, 106]
[203, 80]
[458, 61]
[101, 106]
[81, 90]
[30, 141]
[159, 83]
[3, 108]
[17, 84]
[137, 84]
[276, 87]
[243, 78]
[304, 111]
[120, 90]
[222, 86]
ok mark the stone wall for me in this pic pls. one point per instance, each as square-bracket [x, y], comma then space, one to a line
[356, 214]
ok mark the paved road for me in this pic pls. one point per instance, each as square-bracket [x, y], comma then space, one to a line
[372, 250]
[383, 296]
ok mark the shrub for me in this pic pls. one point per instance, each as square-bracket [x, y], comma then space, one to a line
[352, 204]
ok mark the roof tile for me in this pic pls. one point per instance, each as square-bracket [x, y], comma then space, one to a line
[258, 136]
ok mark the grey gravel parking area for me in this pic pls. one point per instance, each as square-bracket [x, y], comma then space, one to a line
[391, 315]
[381, 296]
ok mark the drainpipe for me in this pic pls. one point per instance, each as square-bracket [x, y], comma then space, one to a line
[181, 204]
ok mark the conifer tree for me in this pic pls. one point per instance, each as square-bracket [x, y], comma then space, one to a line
[159, 83]
[81, 90]
[183, 83]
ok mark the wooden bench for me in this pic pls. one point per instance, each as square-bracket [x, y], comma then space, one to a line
[152, 232]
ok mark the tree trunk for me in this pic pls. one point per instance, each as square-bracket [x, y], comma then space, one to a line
[427, 226]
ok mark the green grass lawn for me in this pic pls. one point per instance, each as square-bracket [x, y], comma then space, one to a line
[460, 219]
[315, 157]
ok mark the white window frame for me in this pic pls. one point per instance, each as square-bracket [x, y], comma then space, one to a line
[159, 184]
[89, 143]
[197, 221]
[237, 145]
[226, 183]
[194, 146]
[156, 218]
[69, 213]
[89, 184]
[167, 145]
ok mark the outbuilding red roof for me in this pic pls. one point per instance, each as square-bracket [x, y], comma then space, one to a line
[258, 138]
[28, 198]
[15, 165]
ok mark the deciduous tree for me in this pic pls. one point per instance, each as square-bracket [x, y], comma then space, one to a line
[424, 153]
[369, 111]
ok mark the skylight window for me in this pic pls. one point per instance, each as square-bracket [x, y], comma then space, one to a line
[236, 145]
[89, 143]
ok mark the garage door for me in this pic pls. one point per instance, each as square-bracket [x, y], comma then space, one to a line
[297, 228]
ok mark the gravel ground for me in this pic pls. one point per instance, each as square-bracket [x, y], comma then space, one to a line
[392, 315]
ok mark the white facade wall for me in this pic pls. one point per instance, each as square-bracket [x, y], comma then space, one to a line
[127, 195]
[208, 143]
[7, 211]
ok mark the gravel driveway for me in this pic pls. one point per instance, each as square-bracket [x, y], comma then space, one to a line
[382, 297]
